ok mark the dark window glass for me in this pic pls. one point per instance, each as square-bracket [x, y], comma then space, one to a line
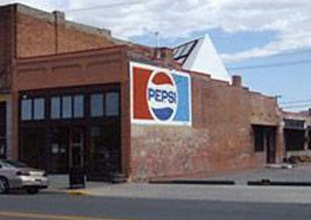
[294, 139]
[97, 101]
[26, 109]
[78, 103]
[39, 109]
[67, 107]
[55, 107]
[258, 139]
[112, 104]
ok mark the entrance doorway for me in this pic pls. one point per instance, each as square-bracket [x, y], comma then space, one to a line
[66, 148]
[265, 140]
[76, 147]
[271, 145]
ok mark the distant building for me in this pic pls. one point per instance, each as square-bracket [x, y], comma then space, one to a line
[297, 134]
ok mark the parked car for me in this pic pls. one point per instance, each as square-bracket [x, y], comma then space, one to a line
[17, 175]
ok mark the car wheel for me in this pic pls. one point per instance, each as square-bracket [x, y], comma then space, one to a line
[32, 191]
[4, 185]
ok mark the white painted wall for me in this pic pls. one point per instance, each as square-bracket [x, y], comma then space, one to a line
[205, 59]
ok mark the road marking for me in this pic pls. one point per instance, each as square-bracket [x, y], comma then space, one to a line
[52, 217]
[78, 192]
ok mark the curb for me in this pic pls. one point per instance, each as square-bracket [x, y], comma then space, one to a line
[68, 192]
[267, 182]
[78, 192]
[197, 182]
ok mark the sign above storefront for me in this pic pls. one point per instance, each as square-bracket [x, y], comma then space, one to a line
[159, 96]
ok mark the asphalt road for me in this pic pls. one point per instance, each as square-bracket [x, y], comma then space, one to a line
[46, 206]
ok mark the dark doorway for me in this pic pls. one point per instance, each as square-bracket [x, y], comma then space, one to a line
[270, 143]
[66, 148]
[76, 147]
[265, 140]
[59, 150]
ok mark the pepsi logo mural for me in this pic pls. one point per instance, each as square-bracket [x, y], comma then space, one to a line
[159, 96]
[162, 96]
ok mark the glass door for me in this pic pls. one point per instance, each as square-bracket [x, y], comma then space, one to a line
[76, 147]
[59, 150]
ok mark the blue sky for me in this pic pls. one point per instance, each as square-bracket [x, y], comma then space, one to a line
[286, 75]
[268, 41]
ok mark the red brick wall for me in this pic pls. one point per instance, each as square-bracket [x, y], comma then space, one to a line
[26, 32]
[36, 37]
[220, 139]
[6, 45]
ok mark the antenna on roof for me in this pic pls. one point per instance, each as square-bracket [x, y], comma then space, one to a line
[156, 34]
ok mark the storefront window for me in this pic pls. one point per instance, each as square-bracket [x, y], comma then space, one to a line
[97, 108]
[67, 107]
[26, 109]
[112, 104]
[39, 109]
[55, 107]
[78, 106]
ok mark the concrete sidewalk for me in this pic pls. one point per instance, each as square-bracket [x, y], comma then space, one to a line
[299, 173]
[60, 184]
[210, 193]
[238, 192]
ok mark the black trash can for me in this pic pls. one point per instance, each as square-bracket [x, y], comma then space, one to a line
[76, 178]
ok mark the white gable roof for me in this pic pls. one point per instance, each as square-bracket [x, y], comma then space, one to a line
[200, 55]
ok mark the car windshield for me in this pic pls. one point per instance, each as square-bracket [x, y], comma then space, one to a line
[15, 163]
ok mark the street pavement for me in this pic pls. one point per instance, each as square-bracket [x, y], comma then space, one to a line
[143, 201]
[46, 206]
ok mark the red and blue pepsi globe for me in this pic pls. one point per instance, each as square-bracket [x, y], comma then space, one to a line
[162, 96]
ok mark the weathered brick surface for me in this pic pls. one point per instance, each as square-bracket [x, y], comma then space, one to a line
[6, 45]
[36, 37]
[26, 32]
[220, 139]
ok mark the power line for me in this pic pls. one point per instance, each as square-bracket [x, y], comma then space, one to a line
[297, 106]
[289, 53]
[294, 105]
[104, 6]
[272, 65]
[299, 52]
[296, 102]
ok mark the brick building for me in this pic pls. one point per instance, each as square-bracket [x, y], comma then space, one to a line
[27, 32]
[297, 135]
[75, 96]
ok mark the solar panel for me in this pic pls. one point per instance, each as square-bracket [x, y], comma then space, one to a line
[182, 52]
